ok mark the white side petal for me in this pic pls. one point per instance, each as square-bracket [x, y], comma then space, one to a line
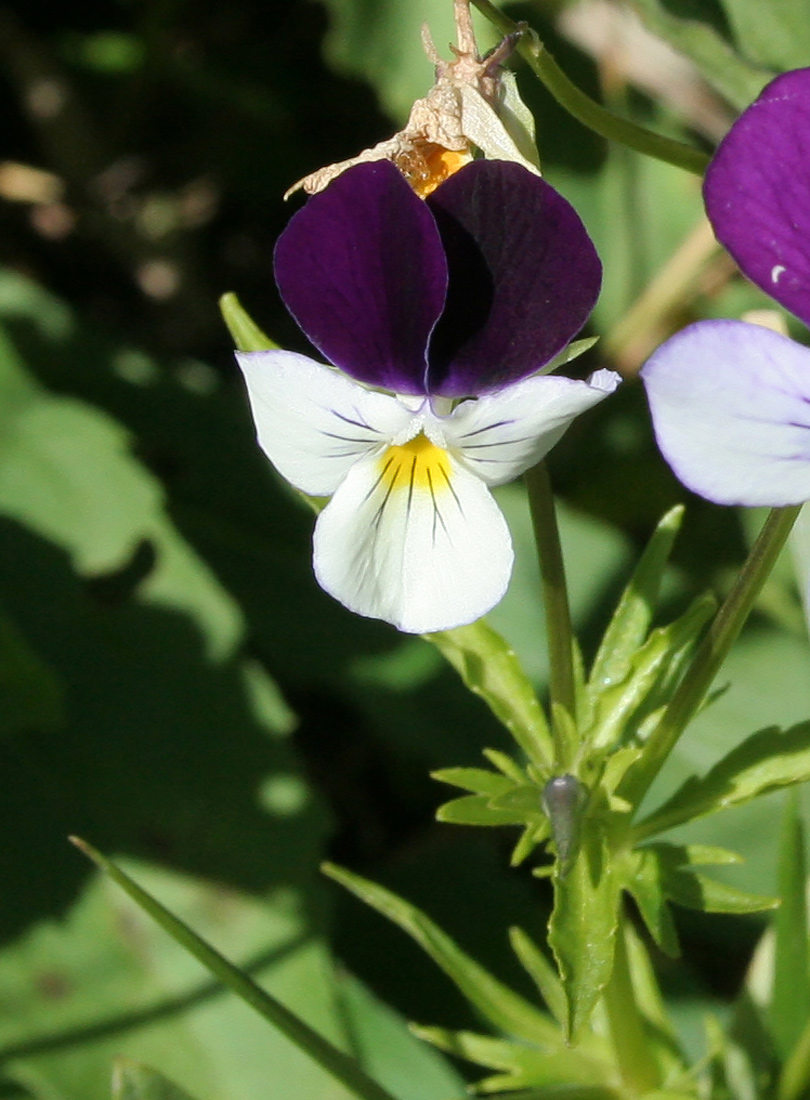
[313, 422]
[422, 556]
[501, 435]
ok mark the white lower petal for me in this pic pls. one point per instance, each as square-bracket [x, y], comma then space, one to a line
[413, 538]
[313, 422]
[501, 435]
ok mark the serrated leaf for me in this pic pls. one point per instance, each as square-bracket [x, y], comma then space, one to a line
[246, 334]
[135, 1081]
[582, 928]
[475, 780]
[631, 620]
[489, 667]
[643, 883]
[789, 1009]
[673, 865]
[522, 1066]
[501, 1006]
[766, 761]
[475, 809]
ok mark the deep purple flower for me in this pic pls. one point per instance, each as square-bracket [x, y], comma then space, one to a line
[423, 305]
[730, 401]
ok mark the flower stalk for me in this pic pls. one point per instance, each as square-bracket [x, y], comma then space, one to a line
[588, 111]
[713, 650]
[559, 631]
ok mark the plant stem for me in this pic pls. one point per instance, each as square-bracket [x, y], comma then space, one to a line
[639, 1071]
[588, 111]
[555, 600]
[712, 651]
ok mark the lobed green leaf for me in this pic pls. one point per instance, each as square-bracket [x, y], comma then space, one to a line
[766, 761]
[522, 1066]
[582, 928]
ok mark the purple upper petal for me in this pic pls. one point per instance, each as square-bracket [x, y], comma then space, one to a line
[730, 404]
[362, 269]
[524, 277]
[757, 192]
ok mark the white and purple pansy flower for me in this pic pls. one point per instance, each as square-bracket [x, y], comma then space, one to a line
[730, 401]
[435, 317]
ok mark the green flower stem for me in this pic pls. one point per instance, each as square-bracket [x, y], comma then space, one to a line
[639, 1071]
[555, 600]
[331, 1059]
[585, 109]
[712, 651]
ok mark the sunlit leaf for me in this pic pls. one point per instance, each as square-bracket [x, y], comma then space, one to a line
[764, 762]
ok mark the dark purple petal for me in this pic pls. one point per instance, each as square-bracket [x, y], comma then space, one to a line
[757, 192]
[524, 276]
[361, 268]
[730, 405]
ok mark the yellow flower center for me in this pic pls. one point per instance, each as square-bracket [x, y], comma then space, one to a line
[417, 464]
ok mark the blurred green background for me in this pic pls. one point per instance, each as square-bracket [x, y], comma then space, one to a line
[173, 685]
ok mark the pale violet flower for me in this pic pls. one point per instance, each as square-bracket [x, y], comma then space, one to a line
[730, 400]
[437, 315]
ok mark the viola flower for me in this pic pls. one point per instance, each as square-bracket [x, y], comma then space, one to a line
[437, 315]
[730, 401]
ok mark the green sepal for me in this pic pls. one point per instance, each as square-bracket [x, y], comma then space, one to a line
[620, 708]
[490, 669]
[521, 1066]
[569, 353]
[246, 334]
[134, 1081]
[631, 620]
[502, 1007]
[582, 928]
[765, 761]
